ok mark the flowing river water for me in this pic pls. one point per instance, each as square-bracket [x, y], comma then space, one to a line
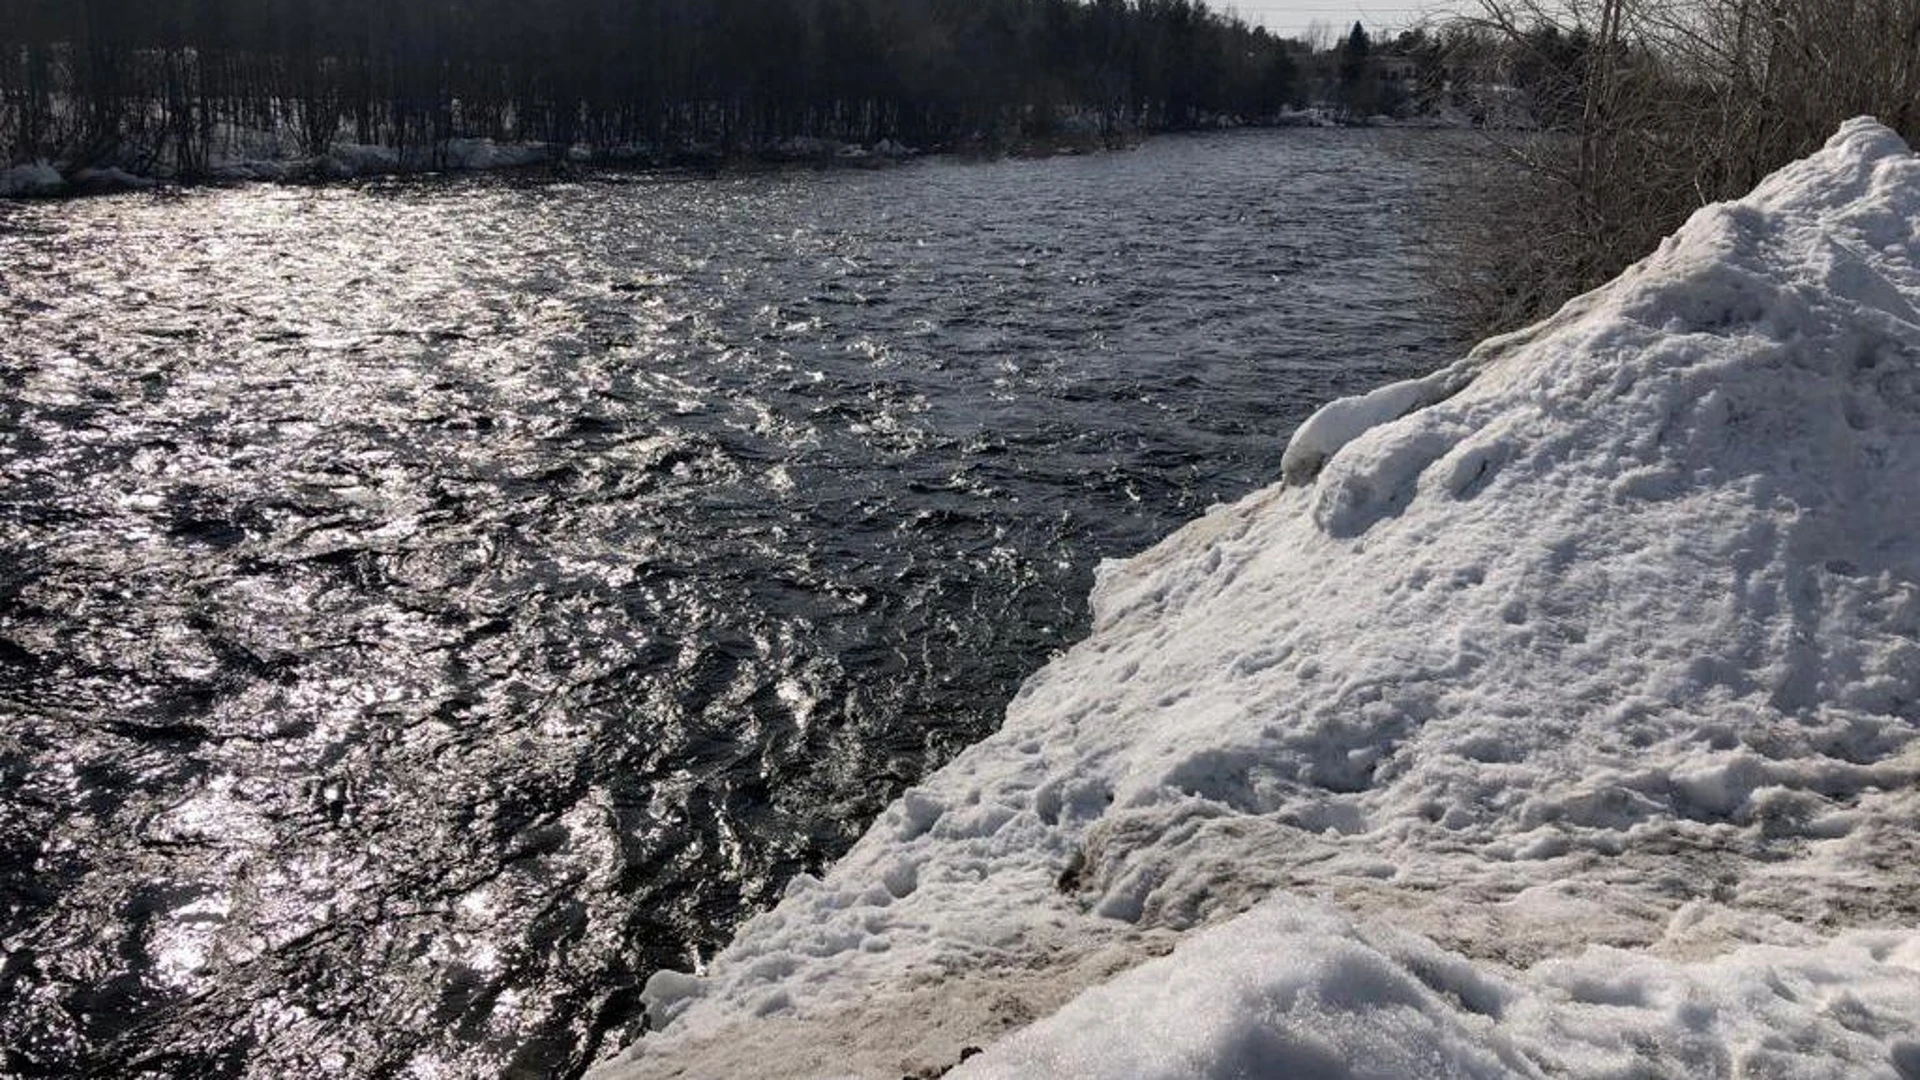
[428, 607]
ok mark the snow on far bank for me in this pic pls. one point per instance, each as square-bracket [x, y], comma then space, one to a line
[243, 154]
[1556, 716]
[33, 179]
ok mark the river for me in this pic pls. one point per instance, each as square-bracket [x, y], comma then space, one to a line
[427, 607]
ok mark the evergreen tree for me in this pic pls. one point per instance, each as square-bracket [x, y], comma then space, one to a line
[1359, 89]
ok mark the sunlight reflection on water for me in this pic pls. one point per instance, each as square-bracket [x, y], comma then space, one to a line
[428, 607]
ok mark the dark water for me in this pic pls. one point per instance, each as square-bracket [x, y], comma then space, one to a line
[426, 608]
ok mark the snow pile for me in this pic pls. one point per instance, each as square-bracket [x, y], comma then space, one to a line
[344, 161]
[240, 170]
[1556, 717]
[1287, 991]
[808, 148]
[487, 154]
[27, 181]
[802, 147]
[110, 179]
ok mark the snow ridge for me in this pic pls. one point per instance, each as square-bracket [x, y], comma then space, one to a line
[1557, 716]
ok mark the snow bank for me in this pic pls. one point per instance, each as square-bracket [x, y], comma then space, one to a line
[241, 170]
[1291, 990]
[344, 161]
[487, 154]
[110, 179]
[244, 155]
[27, 181]
[1556, 717]
[241, 154]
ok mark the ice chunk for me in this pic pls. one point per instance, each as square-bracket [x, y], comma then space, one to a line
[1341, 422]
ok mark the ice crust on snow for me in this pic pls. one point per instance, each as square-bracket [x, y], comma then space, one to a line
[1556, 716]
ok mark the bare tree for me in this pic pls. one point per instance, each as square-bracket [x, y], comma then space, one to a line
[127, 81]
[1653, 108]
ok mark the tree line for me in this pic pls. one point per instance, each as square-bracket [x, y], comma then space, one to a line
[170, 80]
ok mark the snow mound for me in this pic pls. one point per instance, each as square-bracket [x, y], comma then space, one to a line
[1556, 717]
[345, 161]
[27, 181]
[101, 181]
[1289, 990]
[238, 171]
[481, 154]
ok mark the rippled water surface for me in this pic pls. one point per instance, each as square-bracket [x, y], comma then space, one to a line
[426, 608]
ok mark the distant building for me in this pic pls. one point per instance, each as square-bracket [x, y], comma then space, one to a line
[1397, 68]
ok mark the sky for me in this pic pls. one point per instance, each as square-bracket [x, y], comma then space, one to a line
[1291, 18]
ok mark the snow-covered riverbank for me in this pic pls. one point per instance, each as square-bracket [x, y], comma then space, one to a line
[260, 156]
[1556, 716]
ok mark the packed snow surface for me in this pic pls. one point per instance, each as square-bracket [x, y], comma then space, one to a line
[1555, 717]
